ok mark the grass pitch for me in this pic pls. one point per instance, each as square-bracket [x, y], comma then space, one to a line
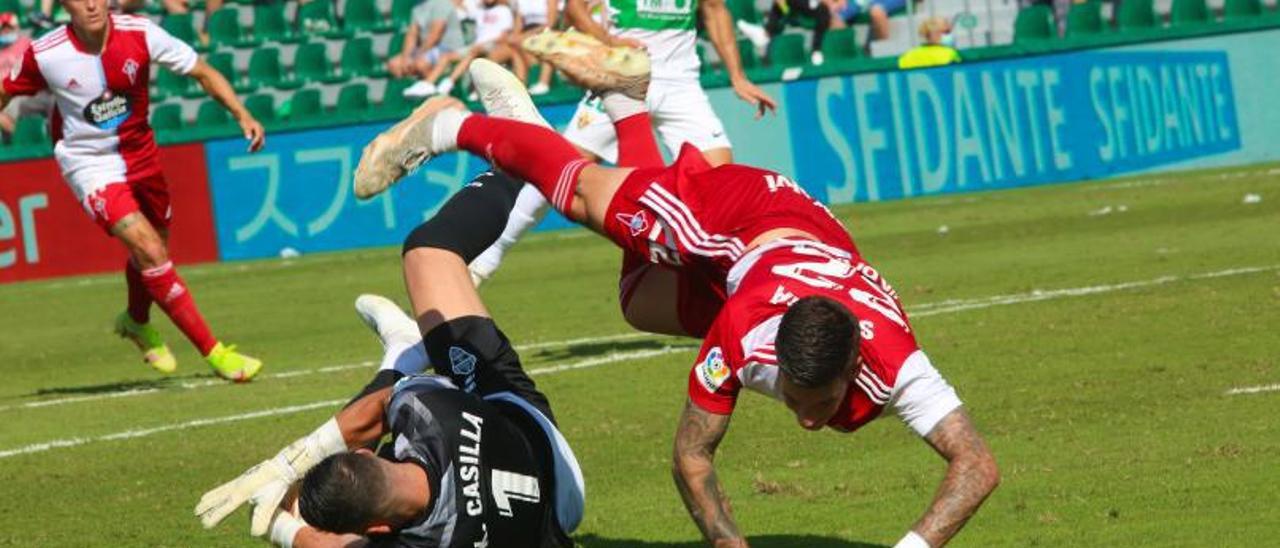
[1093, 330]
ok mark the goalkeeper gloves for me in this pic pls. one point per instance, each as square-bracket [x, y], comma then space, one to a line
[266, 484]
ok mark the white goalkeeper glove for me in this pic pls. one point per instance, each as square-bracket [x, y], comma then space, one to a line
[284, 528]
[267, 483]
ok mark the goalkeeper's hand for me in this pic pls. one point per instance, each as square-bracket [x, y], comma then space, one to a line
[267, 483]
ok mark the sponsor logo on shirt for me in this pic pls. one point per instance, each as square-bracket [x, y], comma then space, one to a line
[108, 111]
[712, 372]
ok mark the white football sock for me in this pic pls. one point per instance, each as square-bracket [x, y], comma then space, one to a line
[619, 106]
[444, 131]
[529, 210]
[409, 359]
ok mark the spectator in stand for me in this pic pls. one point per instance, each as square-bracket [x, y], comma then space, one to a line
[494, 25]
[13, 44]
[532, 17]
[938, 48]
[434, 39]
[784, 11]
[846, 11]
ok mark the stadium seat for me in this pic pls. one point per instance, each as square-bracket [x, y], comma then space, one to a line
[224, 62]
[363, 15]
[211, 115]
[1189, 12]
[30, 131]
[1084, 19]
[311, 64]
[787, 50]
[841, 44]
[401, 12]
[305, 105]
[1135, 14]
[175, 85]
[747, 52]
[393, 101]
[744, 10]
[167, 117]
[13, 6]
[270, 24]
[358, 59]
[353, 100]
[1241, 9]
[1034, 23]
[264, 70]
[224, 30]
[262, 107]
[394, 46]
[316, 18]
[182, 26]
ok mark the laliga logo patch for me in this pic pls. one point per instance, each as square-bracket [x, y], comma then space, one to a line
[108, 111]
[638, 222]
[712, 372]
[131, 70]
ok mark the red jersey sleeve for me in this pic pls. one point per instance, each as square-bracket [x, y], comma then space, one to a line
[24, 77]
[713, 381]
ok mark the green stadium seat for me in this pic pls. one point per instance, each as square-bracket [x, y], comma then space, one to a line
[1241, 9]
[262, 107]
[1135, 14]
[183, 27]
[224, 63]
[747, 52]
[1189, 12]
[841, 44]
[787, 50]
[316, 18]
[1034, 23]
[31, 131]
[171, 84]
[13, 6]
[305, 105]
[311, 64]
[167, 117]
[264, 70]
[211, 115]
[358, 59]
[393, 101]
[744, 10]
[363, 15]
[394, 46]
[270, 24]
[402, 12]
[1085, 19]
[353, 100]
[224, 30]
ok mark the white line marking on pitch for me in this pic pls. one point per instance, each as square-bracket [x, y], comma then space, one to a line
[1254, 389]
[139, 433]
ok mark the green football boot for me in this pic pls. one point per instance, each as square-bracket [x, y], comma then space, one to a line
[232, 365]
[154, 352]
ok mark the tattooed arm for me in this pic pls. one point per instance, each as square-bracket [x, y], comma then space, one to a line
[971, 476]
[697, 437]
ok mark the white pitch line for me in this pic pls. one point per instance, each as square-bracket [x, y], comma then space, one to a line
[1254, 389]
[139, 433]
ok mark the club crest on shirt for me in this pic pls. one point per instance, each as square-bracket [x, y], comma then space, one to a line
[108, 111]
[131, 70]
[637, 222]
[712, 372]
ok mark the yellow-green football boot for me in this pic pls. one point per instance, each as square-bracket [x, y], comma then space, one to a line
[232, 365]
[154, 352]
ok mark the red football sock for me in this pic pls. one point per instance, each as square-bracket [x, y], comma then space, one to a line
[169, 291]
[532, 153]
[636, 147]
[139, 299]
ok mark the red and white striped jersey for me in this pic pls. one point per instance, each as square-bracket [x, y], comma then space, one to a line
[99, 125]
[739, 351]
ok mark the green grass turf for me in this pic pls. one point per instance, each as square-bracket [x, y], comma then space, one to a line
[1107, 411]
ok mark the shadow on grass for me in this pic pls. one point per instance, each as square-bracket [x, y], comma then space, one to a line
[763, 541]
[604, 348]
[120, 386]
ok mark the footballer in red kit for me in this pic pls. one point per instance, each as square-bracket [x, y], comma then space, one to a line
[98, 69]
[738, 256]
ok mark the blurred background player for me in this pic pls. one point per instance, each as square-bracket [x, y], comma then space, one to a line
[477, 443]
[766, 276]
[98, 67]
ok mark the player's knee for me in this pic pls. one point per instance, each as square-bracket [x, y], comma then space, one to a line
[149, 254]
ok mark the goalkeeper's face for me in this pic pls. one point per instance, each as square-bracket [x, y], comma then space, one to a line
[351, 493]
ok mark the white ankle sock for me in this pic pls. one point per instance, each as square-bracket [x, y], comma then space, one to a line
[444, 132]
[529, 210]
[619, 106]
[409, 359]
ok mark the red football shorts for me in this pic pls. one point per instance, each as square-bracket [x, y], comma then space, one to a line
[111, 203]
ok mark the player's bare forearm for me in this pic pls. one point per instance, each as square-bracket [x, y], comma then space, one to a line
[972, 475]
[697, 437]
[364, 420]
[719, 24]
[579, 16]
[310, 537]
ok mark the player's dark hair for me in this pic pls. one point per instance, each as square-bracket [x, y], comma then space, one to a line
[816, 338]
[345, 493]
